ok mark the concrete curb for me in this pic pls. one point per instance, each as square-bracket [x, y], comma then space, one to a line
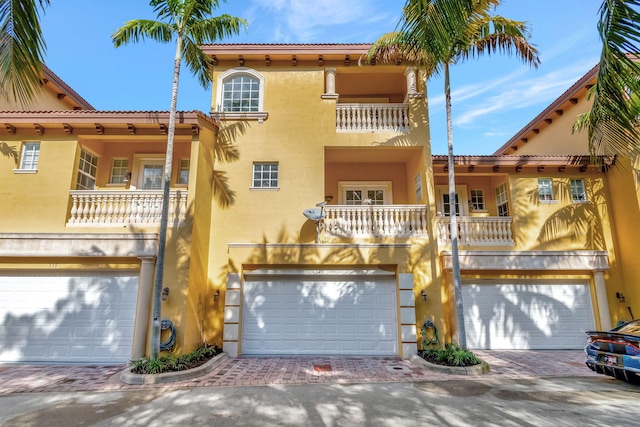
[129, 377]
[482, 368]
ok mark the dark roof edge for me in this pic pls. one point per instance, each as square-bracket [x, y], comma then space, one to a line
[51, 76]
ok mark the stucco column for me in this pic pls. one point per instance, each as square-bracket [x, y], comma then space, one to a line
[143, 308]
[410, 74]
[602, 301]
[330, 83]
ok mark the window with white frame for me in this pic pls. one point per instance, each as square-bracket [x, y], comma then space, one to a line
[545, 191]
[183, 171]
[365, 193]
[240, 90]
[119, 171]
[87, 171]
[477, 200]
[502, 201]
[578, 192]
[265, 175]
[29, 156]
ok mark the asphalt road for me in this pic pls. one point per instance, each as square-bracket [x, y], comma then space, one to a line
[585, 401]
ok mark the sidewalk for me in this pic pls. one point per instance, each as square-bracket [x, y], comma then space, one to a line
[251, 371]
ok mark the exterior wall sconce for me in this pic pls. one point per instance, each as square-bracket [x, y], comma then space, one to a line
[216, 295]
[127, 177]
[620, 296]
[423, 294]
[165, 294]
[328, 198]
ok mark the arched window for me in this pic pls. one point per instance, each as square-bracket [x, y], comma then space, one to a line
[240, 90]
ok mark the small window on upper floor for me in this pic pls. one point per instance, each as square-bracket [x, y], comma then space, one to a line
[87, 171]
[578, 193]
[183, 172]
[265, 175]
[120, 171]
[545, 190]
[477, 200]
[29, 156]
[240, 91]
[502, 200]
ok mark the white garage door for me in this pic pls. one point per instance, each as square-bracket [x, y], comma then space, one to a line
[527, 315]
[329, 316]
[67, 317]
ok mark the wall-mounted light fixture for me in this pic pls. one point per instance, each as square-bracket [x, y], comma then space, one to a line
[127, 177]
[328, 198]
[216, 295]
[165, 294]
[620, 296]
[423, 294]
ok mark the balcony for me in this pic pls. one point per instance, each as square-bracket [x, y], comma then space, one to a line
[375, 221]
[477, 231]
[372, 117]
[121, 208]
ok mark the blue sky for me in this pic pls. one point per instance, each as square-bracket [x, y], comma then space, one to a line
[493, 97]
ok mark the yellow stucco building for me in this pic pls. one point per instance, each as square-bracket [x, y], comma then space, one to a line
[308, 216]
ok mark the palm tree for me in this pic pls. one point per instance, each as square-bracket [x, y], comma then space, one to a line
[190, 23]
[611, 122]
[22, 49]
[471, 31]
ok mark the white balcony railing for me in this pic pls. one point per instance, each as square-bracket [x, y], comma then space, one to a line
[372, 117]
[375, 221]
[477, 231]
[97, 208]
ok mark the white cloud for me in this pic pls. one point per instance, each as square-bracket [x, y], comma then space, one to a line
[517, 94]
[305, 21]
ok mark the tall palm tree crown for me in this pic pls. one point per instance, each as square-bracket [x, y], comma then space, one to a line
[22, 49]
[435, 34]
[190, 23]
[612, 121]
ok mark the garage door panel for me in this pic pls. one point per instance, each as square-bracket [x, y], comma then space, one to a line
[331, 317]
[52, 317]
[527, 316]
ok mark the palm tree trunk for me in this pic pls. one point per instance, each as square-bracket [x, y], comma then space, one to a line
[455, 261]
[164, 219]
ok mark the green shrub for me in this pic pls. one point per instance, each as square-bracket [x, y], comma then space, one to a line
[450, 355]
[173, 363]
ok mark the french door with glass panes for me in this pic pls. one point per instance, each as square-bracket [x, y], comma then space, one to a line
[444, 202]
[365, 193]
[148, 172]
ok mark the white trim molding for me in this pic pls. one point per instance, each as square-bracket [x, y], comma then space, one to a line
[530, 260]
[139, 245]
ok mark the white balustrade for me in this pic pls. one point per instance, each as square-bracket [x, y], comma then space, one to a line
[375, 221]
[97, 208]
[372, 117]
[477, 231]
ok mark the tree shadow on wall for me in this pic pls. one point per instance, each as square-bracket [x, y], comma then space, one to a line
[9, 151]
[225, 151]
[579, 222]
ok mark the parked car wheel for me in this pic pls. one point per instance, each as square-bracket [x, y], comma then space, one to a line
[616, 353]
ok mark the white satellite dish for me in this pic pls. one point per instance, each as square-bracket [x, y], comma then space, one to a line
[314, 214]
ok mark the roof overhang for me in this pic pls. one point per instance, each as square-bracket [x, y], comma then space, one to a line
[103, 122]
[293, 54]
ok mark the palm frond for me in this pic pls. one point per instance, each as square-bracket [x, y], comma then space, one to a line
[612, 122]
[496, 34]
[22, 49]
[141, 29]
